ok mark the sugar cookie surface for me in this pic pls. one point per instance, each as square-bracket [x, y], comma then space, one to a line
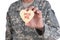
[26, 15]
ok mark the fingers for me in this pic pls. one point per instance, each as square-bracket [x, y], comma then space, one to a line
[34, 9]
[38, 12]
[31, 8]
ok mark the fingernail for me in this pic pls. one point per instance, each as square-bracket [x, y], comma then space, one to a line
[31, 8]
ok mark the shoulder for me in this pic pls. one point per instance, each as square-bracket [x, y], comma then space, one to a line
[13, 5]
[45, 1]
[12, 8]
[44, 4]
[47, 4]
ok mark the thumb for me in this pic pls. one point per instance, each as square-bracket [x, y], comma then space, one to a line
[27, 24]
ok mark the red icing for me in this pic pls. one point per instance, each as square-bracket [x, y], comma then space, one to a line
[26, 15]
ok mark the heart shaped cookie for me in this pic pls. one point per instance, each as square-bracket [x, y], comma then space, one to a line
[26, 15]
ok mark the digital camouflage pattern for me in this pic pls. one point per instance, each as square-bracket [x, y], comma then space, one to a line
[16, 30]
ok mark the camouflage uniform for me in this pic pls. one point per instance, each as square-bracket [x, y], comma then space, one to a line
[16, 30]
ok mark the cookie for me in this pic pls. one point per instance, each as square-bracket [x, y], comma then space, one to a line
[26, 15]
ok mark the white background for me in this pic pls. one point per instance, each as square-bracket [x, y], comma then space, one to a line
[4, 5]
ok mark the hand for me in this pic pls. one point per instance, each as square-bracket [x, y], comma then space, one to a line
[36, 21]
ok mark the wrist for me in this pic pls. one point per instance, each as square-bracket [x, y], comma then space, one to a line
[41, 30]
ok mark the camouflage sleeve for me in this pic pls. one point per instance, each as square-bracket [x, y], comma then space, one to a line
[41, 32]
[51, 24]
[8, 28]
[8, 25]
